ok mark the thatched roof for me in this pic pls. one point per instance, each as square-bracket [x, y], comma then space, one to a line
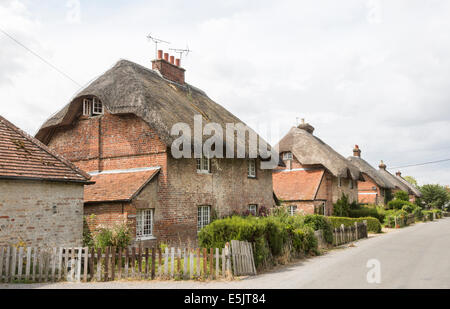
[310, 150]
[129, 88]
[370, 171]
[393, 179]
[411, 187]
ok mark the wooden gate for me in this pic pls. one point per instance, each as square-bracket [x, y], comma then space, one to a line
[243, 261]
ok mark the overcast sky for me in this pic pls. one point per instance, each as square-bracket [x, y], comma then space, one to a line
[373, 73]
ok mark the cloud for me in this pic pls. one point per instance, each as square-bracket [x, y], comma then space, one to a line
[373, 73]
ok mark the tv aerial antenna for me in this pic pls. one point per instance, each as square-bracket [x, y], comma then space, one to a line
[156, 41]
[181, 51]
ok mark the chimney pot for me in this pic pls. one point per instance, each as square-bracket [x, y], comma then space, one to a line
[172, 59]
[166, 56]
[160, 54]
[399, 174]
[382, 165]
[357, 151]
[177, 62]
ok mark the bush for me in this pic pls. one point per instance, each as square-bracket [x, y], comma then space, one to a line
[392, 215]
[401, 195]
[117, 236]
[373, 225]
[318, 222]
[375, 212]
[342, 207]
[274, 236]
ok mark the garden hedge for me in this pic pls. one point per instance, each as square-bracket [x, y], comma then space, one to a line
[374, 212]
[373, 224]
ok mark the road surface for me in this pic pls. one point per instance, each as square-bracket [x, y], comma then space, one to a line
[414, 257]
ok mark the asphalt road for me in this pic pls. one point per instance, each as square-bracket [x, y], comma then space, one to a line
[414, 257]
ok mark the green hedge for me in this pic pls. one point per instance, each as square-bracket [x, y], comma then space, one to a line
[273, 236]
[373, 224]
[375, 212]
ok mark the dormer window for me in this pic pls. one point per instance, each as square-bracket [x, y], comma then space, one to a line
[287, 156]
[92, 107]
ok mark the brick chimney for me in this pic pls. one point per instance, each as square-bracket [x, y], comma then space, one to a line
[306, 126]
[169, 69]
[382, 166]
[357, 151]
[399, 174]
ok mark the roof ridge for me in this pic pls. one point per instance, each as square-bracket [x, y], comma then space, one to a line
[43, 147]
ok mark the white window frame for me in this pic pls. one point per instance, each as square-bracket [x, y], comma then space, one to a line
[145, 223]
[292, 210]
[203, 165]
[97, 107]
[87, 107]
[252, 168]
[253, 209]
[203, 217]
[287, 156]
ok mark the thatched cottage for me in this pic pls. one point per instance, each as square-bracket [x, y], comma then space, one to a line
[414, 193]
[41, 193]
[376, 188]
[119, 129]
[316, 176]
[399, 183]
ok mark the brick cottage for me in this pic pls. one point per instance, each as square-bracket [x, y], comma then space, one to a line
[316, 176]
[118, 129]
[376, 188]
[41, 193]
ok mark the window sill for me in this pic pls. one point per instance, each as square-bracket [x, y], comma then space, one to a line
[145, 238]
[203, 173]
[251, 177]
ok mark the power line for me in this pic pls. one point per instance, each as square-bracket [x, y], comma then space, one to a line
[420, 164]
[41, 58]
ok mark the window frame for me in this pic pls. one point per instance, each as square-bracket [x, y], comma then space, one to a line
[351, 185]
[251, 163]
[287, 156]
[201, 165]
[87, 107]
[201, 216]
[97, 104]
[292, 209]
[142, 225]
[255, 212]
[339, 182]
[322, 209]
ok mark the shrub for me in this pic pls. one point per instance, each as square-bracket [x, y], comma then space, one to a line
[375, 212]
[342, 207]
[373, 225]
[88, 240]
[318, 222]
[273, 236]
[401, 195]
[117, 236]
[396, 215]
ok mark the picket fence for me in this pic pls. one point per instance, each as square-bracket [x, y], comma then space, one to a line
[87, 264]
[346, 234]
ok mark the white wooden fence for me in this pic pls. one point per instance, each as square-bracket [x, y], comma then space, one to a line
[134, 263]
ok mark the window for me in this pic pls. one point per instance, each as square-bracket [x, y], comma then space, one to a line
[97, 107]
[253, 209]
[292, 210]
[351, 184]
[319, 209]
[287, 156]
[203, 165]
[252, 168]
[144, 223]
[87, 105]
[203, 217]
[339, 182]
[92, 107]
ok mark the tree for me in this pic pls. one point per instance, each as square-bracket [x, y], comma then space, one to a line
[402, 196]
[411, 180]
[435, 196]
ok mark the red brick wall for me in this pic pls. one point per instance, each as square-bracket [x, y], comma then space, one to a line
[128, 142]
[369, 192]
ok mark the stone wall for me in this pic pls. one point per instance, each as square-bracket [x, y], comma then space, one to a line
[41, 213]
